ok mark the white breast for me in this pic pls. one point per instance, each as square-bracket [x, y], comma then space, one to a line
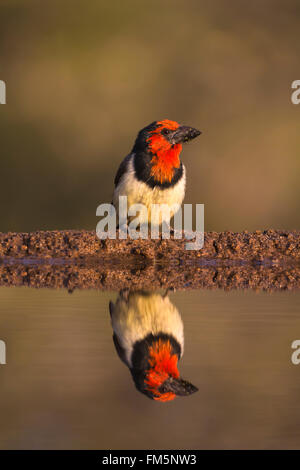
[139, 192]
[142, 314]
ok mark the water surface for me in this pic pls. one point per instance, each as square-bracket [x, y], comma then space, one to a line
[65, 387]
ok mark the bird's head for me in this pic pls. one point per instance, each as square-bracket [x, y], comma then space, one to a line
[162, 141]
[161, 380]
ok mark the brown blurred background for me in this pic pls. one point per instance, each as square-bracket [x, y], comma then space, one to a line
[83, 77]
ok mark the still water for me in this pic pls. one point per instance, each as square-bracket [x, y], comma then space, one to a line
[64, 385]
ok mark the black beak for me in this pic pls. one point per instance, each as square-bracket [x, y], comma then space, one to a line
[184, 134]
[178, 386]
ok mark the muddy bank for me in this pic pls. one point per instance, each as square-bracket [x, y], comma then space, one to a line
[271, 245]
[268, 260]
[113, 276]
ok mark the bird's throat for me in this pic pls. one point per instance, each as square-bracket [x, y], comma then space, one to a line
[163, 364]
[164, 162]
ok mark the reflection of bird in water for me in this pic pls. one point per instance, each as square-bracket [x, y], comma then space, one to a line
[148, 336]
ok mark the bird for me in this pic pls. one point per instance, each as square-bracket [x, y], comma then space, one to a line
[153, 173]
[148, 337]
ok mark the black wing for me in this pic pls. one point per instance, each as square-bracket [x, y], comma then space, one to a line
[120, 350]
[122, 168]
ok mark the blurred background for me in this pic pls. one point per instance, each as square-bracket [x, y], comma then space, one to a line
[83, 77]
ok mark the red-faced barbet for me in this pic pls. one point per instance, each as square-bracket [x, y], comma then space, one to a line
[153, 173]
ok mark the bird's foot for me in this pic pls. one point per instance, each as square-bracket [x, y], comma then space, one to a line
[168, 291]
[124, 294]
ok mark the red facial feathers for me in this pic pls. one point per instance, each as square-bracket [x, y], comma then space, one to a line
[165, 155]
[163, 364]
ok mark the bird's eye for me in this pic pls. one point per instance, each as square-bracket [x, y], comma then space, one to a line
[166, 131]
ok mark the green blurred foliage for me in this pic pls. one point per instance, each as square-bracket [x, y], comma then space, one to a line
[83, 77]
